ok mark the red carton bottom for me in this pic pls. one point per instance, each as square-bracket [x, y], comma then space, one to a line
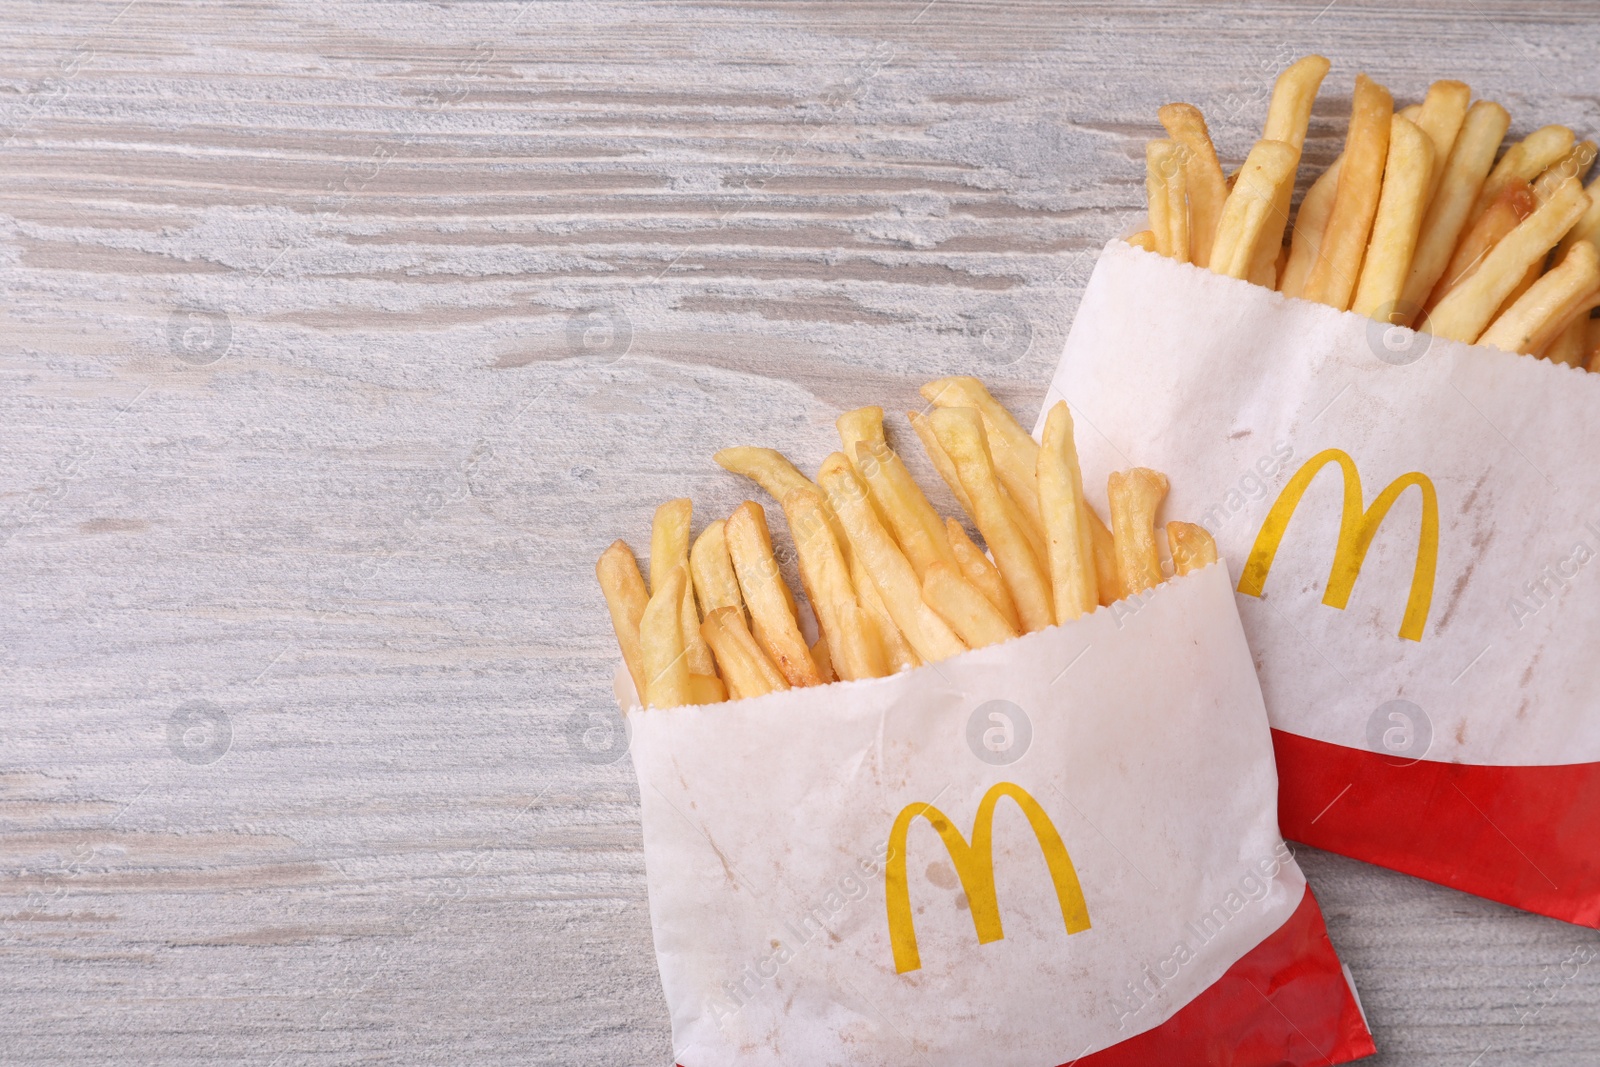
[1524, 836]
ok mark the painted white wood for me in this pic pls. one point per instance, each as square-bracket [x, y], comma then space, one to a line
[338, 339]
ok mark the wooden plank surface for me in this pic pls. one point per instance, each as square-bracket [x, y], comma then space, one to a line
[339, 338]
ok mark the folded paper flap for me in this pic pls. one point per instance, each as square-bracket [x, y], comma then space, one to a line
[1120, 763]
[1440, 615]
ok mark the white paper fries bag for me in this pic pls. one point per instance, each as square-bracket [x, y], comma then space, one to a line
[1415, 523]
[1059, 849]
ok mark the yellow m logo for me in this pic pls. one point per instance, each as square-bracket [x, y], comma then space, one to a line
[975, 867]
[1357, 527]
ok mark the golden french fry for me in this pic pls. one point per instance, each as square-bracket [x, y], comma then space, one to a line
[1074, 586]
[1524, 160]
[1585, 229]
[964, 607]
[884, 563]
[1309, 223]
[961, 432]
[1575, 164]
[851, 643]
[1450, 208]
[1397, 224]
[876, 622]
[1467, 309]
[1166, 185]
[977, 569]
[745, 667]
[1440, 116]
[819, 656]
[774, 627]
[1247, 220]
[1106, 578]
[1192, 545]
[1571, 344]
[1514, 204]
[1543, 311]
[1145, 239]
[1593, 363]
[626, 598]
[706, 688]
[1333, 276]
[666, 663]
[1207, 188]
[1288, 117]
[772, 471]
[1013, 450]
[1135, 497]
[900, 501]
[669, 548]
[715, 584]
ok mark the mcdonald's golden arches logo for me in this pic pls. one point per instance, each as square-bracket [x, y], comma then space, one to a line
[975, 867]
[1357, 527]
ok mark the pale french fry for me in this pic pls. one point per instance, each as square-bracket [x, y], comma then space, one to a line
[1441, 115]
[1145, 239]
[745, 667]
[1524, 161]
[897, 650]
[1207, 188]
[1309, 223]
[1450, 209]
[1166, 185]
[1514, 204]
[1107, 580]
[884, 563]
[626, 598]
[1074, 586]
[1012, 449]
[1247, 223]
[706, 688]
[1571, 344]
[964, 607]
[774, 627]
[715, 584]
[666, 663]
[669, 548]
[1135, 496]
[1288, 117]
[1192, 547]
[1541, 314]
[1588, 227]
[819, 656]
[854, 650]
[961, 432]
[1333, 276]
[977, 569]
[1466, 310]
[900, 501]
[1397, 224]
[941, 462]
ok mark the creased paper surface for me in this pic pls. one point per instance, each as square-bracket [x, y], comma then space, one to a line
[768, 821]
[1233, 389]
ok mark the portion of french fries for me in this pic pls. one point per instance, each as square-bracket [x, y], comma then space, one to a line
[1416, 224]
[891, 583]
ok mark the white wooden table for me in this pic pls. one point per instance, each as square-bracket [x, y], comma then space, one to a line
[338, 340]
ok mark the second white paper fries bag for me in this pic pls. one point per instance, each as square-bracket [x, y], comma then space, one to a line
[1415, 524]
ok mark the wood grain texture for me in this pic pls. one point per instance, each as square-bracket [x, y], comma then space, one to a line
[338, 340]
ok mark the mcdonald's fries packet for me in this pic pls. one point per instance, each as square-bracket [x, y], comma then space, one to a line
[1061, 848]
[1414, 523]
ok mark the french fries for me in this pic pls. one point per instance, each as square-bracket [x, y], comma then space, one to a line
[1416, 223]
[961, 433]
[1344, 241]
[771, 622]
[891, 584]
